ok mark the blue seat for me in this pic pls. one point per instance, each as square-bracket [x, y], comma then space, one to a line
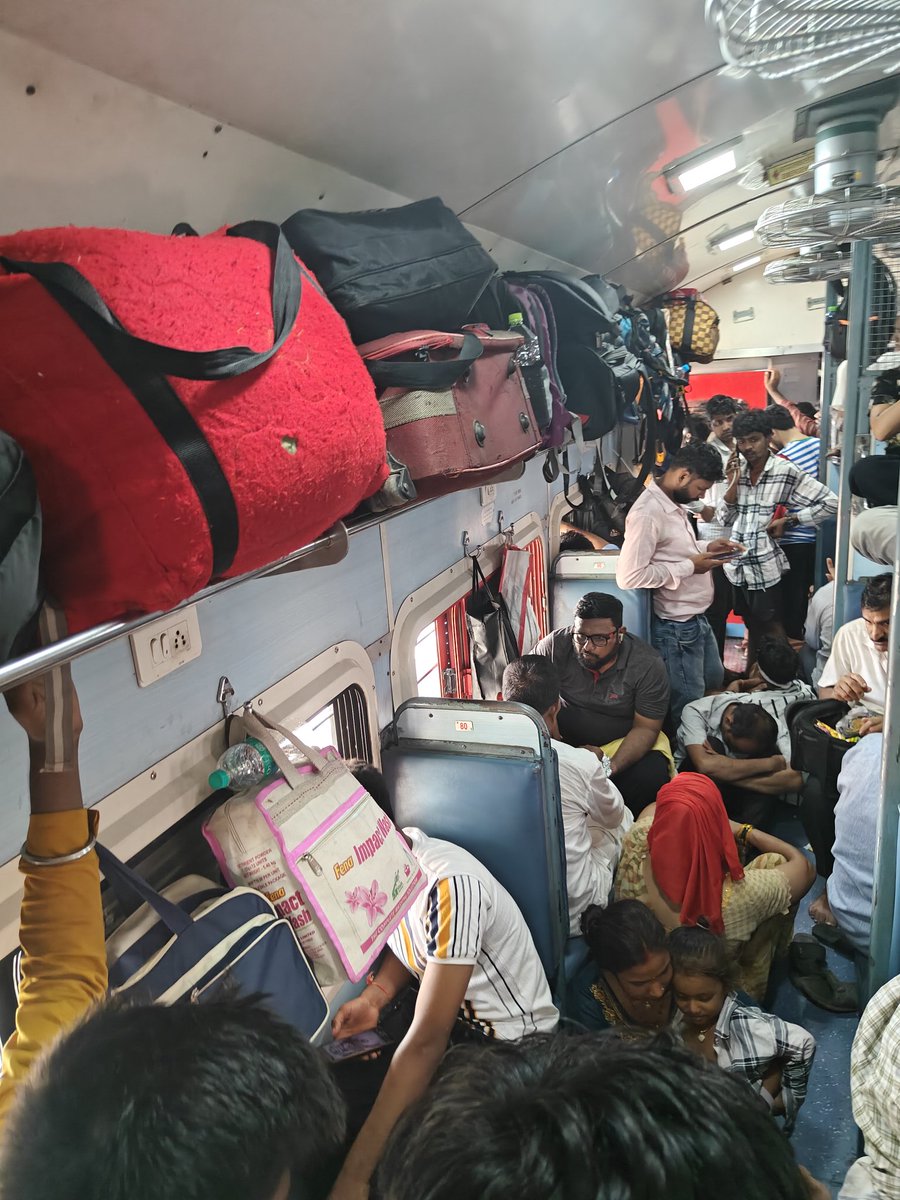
[853, 600]
[575, 572]
[484, 776]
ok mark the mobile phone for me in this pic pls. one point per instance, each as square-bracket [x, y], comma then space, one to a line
[735, 553]
[352, 1047]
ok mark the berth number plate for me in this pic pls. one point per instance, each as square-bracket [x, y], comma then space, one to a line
[464, 726]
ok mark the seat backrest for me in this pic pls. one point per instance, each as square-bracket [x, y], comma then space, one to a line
[853, 599]
[484, 776]
[574, 573]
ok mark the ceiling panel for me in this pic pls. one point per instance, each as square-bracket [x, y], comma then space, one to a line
[544, 123]
[421, 96]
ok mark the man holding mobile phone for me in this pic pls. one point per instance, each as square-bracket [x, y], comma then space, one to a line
[661, 552]
[759, 483]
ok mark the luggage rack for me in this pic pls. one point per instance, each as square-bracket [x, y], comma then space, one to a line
[330, 548]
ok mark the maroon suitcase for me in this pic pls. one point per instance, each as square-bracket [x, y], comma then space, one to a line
[455, 407]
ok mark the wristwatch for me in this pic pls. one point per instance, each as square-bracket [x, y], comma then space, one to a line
[791, 521]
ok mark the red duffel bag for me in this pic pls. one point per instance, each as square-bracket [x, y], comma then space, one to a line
[161, 469]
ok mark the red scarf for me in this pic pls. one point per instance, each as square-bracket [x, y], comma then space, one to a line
[692, 848]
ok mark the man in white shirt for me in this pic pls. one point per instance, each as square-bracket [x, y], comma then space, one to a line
[595, 819]
[856, 671]
[661, 552]
[466, 942]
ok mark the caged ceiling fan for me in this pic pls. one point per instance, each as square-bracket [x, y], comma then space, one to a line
[848, 202]
[814, 264]
[822, 39]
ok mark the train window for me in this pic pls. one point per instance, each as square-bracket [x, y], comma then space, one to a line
[430, 650]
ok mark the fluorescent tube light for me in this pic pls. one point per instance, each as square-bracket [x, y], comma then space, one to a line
[722, 163]
[736, 238]
[746, 263]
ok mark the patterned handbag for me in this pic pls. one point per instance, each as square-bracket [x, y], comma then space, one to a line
[693, 326]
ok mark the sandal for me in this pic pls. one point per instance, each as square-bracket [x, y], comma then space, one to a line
[808, 974]
[834, 936]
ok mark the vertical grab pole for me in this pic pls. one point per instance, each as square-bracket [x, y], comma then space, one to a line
[860, 304]
[884, 945]
[825, 398]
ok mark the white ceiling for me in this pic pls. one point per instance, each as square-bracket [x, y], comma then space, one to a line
[543, 122]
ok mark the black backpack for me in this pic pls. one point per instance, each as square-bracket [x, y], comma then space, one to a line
[882, 317]
[813, 751]
[20, 550]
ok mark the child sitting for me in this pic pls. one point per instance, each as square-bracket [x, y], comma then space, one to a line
[723, 1026]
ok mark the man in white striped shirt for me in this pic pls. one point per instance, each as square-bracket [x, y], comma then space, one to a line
[798, 544]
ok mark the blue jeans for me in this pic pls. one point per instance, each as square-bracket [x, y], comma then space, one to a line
[689, 650]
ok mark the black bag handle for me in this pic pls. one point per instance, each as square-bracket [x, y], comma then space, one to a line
[427, 376]
[82, 301]
[123, 879]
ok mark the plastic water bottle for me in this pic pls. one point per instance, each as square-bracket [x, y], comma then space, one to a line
[243, 766]
[534, 371]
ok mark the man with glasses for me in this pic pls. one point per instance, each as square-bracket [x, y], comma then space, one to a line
[615, 696]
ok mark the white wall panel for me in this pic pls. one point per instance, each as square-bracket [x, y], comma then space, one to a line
[780, 314]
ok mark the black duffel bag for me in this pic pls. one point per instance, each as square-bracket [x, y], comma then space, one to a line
[387, 270]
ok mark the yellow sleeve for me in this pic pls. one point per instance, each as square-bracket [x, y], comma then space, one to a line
[62, 938]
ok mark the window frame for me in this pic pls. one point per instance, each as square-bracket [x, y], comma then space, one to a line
[428, 602]
[150, 804]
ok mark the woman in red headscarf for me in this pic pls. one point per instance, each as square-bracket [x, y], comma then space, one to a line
[682, 858]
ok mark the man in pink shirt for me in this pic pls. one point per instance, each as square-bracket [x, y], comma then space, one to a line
[661, 552]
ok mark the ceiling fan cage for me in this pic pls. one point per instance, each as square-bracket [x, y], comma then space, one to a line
[824, 39]
[855, 212]
[815, 266]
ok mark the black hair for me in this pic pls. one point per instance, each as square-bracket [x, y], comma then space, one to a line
[699, 951]
[753, 722]
[752, 421]
[779, 417]
[622, 935]
[587, 1117]
[877, 592]
[532, 680]
[698, 427]
[722, 406]
[778, 658]
[701, 460]
[190, 1102]
[594, 606]
[575, 541]
[808, 410]
[374, 783]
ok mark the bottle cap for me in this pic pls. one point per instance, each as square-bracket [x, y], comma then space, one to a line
[219, 779]
[516, 319]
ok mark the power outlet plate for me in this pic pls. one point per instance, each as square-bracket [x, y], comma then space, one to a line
[167, 644]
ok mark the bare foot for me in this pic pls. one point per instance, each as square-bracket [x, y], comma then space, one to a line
[820, 910]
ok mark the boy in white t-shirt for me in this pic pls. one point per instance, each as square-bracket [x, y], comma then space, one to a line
[856, 671]
[466, 942]
[595, 819]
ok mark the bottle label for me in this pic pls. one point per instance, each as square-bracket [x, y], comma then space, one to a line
[269, 765]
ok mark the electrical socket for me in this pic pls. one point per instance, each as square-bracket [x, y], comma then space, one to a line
[165, 645]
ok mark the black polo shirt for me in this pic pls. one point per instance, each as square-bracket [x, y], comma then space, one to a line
[600, 708]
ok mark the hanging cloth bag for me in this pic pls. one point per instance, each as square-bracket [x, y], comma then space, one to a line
[492, 640]
[320, 847]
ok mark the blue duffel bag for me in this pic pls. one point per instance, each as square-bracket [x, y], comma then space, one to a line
[196, 941]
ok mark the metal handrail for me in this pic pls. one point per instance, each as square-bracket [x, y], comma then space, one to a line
[39, 661]
[855, 416]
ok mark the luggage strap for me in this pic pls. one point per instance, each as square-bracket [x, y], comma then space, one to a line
[142, 366]
[427, 376]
